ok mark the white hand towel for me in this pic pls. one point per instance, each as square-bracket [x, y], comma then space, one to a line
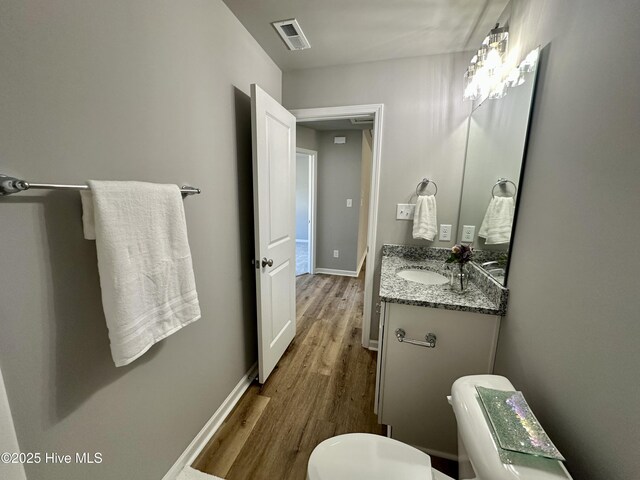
[425, 221]
[496, 226]
[144, 260]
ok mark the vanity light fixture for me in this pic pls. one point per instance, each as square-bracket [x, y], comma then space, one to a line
[485, 75]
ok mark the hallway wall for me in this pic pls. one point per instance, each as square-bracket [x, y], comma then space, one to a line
[338, 180]
[306, 138]
[365, 192]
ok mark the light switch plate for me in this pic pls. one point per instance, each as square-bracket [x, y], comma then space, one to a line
[349, 202]
[468, 233]
[336, 253]
[445, 233]
[404, 211]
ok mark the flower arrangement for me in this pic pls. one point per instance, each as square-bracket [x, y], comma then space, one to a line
[461, 254]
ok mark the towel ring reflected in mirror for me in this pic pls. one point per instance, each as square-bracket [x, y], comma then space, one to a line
[501, 182]
[421, 188]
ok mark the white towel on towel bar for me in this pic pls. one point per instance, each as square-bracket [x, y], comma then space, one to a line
[425, 219]
[144, 261]
[496, 226]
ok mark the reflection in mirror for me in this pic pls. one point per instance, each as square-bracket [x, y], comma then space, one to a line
[492, 173]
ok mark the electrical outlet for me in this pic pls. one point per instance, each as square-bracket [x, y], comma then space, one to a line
[404, 211]
[445, 233]
[468, 233]
[336, 253]
[349, 202]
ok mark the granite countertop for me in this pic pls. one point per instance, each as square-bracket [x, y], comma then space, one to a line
[484, 294]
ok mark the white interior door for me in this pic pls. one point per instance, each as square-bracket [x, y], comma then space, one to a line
[274, 162]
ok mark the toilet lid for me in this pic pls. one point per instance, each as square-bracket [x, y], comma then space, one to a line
[360, 456]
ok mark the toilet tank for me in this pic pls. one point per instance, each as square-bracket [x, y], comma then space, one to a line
[479, 456]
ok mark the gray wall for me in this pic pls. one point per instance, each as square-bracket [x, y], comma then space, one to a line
[338, 180]
[365, 192]
[425, 128]
[570, 338]
[146, 90]
[306, 138]
[302, 197]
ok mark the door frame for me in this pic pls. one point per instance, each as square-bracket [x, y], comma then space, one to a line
[351, 111]
[311, 228]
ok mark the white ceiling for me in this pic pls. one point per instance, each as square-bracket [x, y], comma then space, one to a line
[354, 31]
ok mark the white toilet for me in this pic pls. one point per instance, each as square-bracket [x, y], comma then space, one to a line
[363, 456]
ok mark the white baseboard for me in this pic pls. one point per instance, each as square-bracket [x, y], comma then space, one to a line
[373, 345]
[333, 271]
[360, 263]
[212, 426]
[189, 473]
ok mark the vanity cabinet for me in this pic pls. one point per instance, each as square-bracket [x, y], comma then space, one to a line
[413, 381]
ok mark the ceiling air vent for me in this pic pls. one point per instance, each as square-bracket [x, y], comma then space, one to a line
[292, 35]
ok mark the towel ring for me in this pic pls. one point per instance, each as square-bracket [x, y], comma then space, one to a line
[501, 182]
[423, 185]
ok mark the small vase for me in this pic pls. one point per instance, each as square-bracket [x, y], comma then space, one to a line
[459, 279]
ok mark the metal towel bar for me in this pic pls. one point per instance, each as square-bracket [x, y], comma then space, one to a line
[9, 185]
[430, 339]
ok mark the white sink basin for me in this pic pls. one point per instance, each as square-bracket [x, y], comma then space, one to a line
[426, 277]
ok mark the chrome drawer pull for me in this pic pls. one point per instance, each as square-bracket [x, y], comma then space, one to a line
[430, 339]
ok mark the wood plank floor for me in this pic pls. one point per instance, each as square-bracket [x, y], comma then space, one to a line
[323, 386]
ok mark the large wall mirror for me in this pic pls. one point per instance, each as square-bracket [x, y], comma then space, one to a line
[496, 143]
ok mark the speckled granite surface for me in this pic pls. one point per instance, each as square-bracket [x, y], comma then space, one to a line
[481, 256]
[484, 294]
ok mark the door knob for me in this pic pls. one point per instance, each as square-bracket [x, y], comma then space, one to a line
[266, 262]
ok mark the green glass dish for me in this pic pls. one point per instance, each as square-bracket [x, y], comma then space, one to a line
[515, 426]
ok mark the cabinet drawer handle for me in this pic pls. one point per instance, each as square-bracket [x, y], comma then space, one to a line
[430, 339]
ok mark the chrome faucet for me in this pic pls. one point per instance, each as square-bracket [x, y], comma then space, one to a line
[488, 264]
